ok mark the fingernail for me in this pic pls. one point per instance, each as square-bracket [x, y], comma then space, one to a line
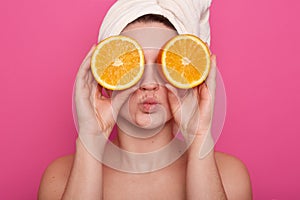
[93, 46]
[215, 58]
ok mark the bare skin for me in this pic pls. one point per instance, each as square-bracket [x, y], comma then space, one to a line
[81, 176]
[154, 185]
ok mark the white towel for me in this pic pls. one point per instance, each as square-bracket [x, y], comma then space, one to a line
[187, 16]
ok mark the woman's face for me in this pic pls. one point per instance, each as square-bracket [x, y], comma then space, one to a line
[148, 106]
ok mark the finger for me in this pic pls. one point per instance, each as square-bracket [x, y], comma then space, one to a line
[184, 109]
[91, 51]
[98, 92]
[190, 103]
[206, 106]
[85, 65]
[120, 97]
[174, 102]
[206, 98]
[94, 94]
[204, 92]
[211, 79]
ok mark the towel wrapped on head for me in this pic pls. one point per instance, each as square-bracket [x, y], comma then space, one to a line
[187, 16]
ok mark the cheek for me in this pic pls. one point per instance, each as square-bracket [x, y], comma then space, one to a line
[164, 99]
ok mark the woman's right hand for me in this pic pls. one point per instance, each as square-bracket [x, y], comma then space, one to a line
[95, 112]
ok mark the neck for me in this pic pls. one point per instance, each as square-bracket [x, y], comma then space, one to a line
[139, 140]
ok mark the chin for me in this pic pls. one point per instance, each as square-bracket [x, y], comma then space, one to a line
[151, 121]
[149, 125]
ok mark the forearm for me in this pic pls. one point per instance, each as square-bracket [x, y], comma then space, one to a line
[203, 178]
[85, 181]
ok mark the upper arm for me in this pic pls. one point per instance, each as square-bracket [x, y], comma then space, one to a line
[55, 179]
[235, 177]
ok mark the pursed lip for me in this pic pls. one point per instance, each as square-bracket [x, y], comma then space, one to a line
[150, 100]
[149, 104]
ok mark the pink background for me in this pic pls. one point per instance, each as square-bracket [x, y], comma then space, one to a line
[257, 44]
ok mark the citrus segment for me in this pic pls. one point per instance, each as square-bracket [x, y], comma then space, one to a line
[185, 61]
[117, 62]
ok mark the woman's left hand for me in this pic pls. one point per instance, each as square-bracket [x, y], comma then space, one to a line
[193, 113]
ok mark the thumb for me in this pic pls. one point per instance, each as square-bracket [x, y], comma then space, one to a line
[174, 101]
[120, 97]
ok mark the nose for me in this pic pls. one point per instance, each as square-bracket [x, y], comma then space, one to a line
[149, 87]
[150, 79]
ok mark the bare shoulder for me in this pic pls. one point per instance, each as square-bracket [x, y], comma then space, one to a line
[55, 178]
[234, 175]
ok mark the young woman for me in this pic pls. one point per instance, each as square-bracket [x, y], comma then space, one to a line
[145, 160]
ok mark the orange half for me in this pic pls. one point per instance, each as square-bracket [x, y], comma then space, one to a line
[117, 63]
[185, 61]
